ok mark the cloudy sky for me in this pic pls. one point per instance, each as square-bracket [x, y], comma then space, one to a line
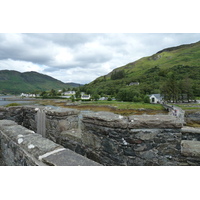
[81, 57]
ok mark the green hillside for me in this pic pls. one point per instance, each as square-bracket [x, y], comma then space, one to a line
[151, 72]
[14, 82]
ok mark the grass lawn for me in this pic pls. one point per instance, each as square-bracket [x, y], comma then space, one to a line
[122, 108]
[125, 105]
[188, 106]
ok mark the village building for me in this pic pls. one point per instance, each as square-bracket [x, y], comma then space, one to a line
[85, 97]
[156, 98]
[69, 93]
[103, 98]
[28, 95]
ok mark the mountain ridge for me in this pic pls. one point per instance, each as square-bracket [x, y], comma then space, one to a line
[151, 71]
[14, 82]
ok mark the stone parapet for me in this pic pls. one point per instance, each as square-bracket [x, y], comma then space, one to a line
[20, 146]
[103, 137]
[112, 139]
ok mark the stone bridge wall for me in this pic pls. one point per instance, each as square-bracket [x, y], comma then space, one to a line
[111, 139]
[135, 140]
[23, 147]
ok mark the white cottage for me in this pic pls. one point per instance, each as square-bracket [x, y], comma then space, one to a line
[156, 98]
[69, 93]
[85, 97]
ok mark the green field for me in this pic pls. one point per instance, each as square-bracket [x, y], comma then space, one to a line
[189, 106]
[125, 105]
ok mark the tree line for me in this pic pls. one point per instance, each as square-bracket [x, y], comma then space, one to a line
[175, 90]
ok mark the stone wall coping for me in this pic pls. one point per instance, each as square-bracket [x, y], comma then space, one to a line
[133, 121]
[73, 159]
[61, 111]
[154, 121]
[105, 119]
[187, 129]
[35, 145]
[5, 122]
[105, 116]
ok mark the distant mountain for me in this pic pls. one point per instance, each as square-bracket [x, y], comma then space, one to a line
[15, 82]
[151, 71]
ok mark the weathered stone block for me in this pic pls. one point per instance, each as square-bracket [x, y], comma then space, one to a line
[129, 151]
[105, 119]
[109, 146]
[187, 129]
[36, 145]
[154, 121]
[4, 123]
[190, 148]
[145, 134]
[149, 155]
[60, 112]
[91, 140]
[68, 158]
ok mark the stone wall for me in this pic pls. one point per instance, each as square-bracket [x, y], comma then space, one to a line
[25, 116]
[58, 121]
[111, 139]
[23, 147]
[134, 140]
[190, 145]
[192, 117]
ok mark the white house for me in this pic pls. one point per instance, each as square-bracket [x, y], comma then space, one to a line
[103, 98]
[27, 95]
[85, 97]
[69, 93]
[156, 98]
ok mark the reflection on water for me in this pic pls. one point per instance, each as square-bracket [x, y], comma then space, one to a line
[5, 102]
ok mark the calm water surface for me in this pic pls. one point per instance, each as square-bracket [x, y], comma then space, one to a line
[4, 103]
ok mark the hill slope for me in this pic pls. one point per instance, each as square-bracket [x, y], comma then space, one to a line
[15, 82]
[152, 71]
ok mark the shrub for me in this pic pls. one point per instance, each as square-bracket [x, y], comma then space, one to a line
[13, 104]
[146, 99]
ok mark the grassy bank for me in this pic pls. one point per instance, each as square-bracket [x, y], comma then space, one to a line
[125, 105]
[188, 106]
[123, 108]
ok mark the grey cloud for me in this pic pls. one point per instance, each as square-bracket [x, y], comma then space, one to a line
[38, 48]
[27, 50]
[94, 58]
[64, 39]
[88, 51]
[51, 69]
